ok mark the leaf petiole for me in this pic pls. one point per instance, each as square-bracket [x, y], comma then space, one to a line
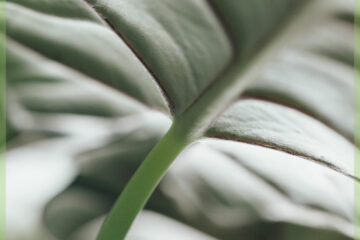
[142, 184]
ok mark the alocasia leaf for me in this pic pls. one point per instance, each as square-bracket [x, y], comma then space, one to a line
[276, 164]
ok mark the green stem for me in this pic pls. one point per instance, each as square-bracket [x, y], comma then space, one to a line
[142, 184]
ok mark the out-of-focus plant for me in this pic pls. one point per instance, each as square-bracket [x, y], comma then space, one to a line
[252, 97]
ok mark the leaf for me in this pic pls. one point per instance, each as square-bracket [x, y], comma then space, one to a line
[284, 129]
[290, 81]
[114, 61]
[175, 40]
[269, 163]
